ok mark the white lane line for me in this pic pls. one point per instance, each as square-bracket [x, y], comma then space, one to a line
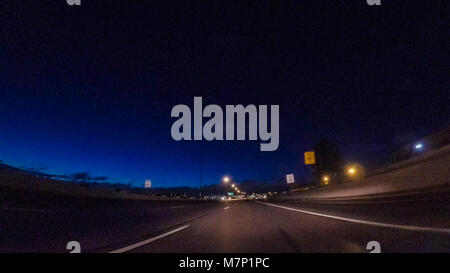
[136, 245]
[226, 207]
[177, 207]
[29, 210]
[339, 202]
[364, 222]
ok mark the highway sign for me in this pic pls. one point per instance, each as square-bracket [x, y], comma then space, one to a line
[310, 158]
[290, 178]
[148, 183]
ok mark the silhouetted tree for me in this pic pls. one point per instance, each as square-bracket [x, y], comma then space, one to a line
[328, 159]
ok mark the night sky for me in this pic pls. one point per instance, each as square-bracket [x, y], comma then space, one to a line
[91, 88]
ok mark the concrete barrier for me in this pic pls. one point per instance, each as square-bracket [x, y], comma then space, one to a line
[425, 171]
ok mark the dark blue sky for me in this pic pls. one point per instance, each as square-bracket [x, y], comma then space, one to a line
[91, 88]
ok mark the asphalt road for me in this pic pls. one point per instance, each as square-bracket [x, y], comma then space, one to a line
[414, 225]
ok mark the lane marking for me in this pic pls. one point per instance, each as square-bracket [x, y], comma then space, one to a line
[226, 207]
[364, 222]
[29, 210]
[145, 242]
[177, 207]
[338, 202]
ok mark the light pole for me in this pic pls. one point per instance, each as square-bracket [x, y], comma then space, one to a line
[226, 179]
[355, 172]
[351, 171]
[325, 179]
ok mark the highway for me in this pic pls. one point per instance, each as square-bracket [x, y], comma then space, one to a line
[35, 224]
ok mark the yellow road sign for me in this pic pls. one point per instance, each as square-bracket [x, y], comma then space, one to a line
[310, 158]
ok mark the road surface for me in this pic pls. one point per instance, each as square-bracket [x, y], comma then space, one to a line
[38, 225]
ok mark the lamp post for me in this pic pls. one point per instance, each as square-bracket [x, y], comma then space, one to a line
[325, 180]
[226, 179]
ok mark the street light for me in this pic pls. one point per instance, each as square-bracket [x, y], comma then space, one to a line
[226, 179]
[351, 171]
[418, 146]
[325, 179]
[355, 172]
